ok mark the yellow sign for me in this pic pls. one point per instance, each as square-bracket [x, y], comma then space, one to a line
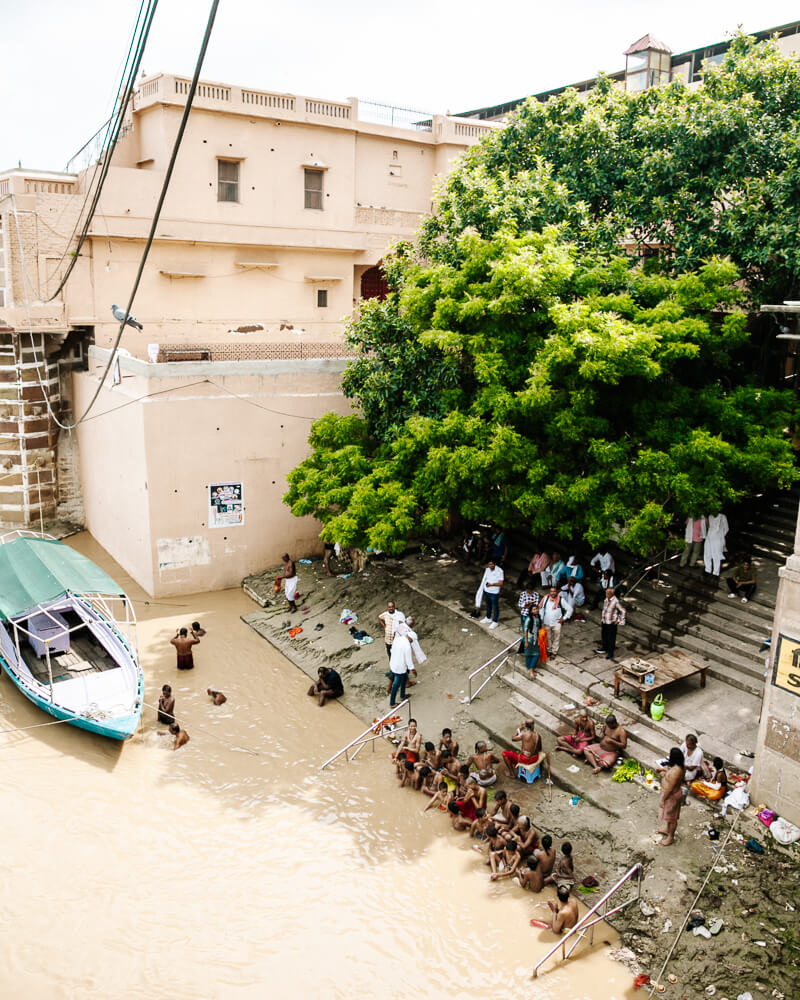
[786, 669]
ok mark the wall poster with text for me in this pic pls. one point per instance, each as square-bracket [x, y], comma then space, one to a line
[225, 505]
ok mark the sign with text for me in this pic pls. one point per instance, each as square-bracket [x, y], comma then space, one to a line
[786, 668]
[225, 505]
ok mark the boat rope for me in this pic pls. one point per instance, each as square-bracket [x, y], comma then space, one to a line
[715, 863]
[39, 725]
[230, 746]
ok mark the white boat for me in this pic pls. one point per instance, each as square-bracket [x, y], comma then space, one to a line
[68, 636]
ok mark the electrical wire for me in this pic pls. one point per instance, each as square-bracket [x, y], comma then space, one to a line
[123, 108]
[164, 187]
[252, 402]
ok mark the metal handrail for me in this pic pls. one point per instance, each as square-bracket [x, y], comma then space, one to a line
[471, 697]
[585, 923]
[370, 732]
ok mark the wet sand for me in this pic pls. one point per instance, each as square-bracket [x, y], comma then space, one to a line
[214, 872]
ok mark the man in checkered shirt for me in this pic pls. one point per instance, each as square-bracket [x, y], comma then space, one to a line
[613, 615]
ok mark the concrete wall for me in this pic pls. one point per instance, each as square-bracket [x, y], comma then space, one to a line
[776, 775]
[146, 468]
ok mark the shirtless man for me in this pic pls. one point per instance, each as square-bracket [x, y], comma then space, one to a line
[603, 755]
[183, 646]
[530, 749]
[459, 821]
[217, 697]
[197, 631]
[166, 706]
[483, 760]
[289, 580]
[411, 741]
[494, 840]
[407, 774]
[423, 775]
[543, 859]
[181, 736]
[448, 764]
[503, 816]
[525, 835]
[479, 825]
[565, 910]
[428, 754]
[448, 743]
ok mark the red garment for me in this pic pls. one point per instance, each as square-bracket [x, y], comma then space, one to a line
[514, 757]
[467, 810]
[412, 756]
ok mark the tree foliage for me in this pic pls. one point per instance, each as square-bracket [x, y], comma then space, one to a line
[521, 370]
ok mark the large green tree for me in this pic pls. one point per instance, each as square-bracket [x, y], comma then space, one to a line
[522, 371]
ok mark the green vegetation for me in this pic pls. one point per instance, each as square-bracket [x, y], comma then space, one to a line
[523, 371]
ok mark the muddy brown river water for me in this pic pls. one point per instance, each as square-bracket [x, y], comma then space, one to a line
[213, 872]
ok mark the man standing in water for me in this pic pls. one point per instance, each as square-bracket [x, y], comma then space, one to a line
[565, 910]
[289, 580]
[166, 706]
[183, 645]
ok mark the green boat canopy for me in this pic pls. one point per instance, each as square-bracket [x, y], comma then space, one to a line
[37, 571]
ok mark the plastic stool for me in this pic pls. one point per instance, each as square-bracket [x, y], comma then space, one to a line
[529, 774]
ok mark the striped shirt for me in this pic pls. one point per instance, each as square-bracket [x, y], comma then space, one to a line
[613, 612]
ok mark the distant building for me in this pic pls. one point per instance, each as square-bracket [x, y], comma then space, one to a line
[651, 63]
[279, 212]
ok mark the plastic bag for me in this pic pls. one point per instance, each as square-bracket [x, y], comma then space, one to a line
[784, 831]
[738, 798]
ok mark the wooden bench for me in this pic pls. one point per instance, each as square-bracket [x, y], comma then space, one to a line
[669, 667]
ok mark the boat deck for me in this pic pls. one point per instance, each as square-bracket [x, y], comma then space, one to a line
[85, 655]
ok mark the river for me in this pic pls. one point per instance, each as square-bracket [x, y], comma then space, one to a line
[234, 868]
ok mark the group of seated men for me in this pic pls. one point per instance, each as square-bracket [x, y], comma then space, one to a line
[512, 846]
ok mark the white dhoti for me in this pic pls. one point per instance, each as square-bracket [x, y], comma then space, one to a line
[715, 543]
[290, 587]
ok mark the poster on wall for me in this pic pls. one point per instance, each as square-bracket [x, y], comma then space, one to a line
[225, 505]
[786, 669]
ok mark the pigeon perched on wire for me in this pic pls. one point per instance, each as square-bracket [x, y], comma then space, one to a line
[122, 317]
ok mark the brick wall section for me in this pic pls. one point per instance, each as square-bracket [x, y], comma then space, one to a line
[28, 479]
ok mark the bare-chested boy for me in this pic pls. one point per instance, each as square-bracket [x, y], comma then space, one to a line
[448, 743]
[400, 764]
[506, 862]
[564, 871]
[181, 736]
[422, 776]
[541, 862]
[493, 841]
[565, 910]
[502, 811]
[483, 760]
[411, 741]
[530, 749]
[441, 797]
[479, 825]
[407, 774]
[458, 820]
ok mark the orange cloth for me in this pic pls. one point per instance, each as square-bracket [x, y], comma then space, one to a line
[542, 645]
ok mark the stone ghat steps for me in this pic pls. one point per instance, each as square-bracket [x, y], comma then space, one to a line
[648, 741]
[689, 585]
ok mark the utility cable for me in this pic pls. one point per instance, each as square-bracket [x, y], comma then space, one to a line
[108, 126]
[124, 103]
[161, 197]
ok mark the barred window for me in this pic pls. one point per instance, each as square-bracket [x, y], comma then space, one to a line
[227, 180]
[313, 189]
[322, 298]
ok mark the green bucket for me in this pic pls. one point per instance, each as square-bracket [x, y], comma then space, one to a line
[657, 707]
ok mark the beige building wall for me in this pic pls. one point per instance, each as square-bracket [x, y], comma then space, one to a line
[167, 432]
[776, 774]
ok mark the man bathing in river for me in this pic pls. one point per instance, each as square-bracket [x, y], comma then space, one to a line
[565, 910]
[328, 686]
[181, 736]
[183, 646]
[216, 696]
[530, 749]
[543, 858]
[166, 706]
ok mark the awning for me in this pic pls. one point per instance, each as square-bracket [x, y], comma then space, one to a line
[36, 571]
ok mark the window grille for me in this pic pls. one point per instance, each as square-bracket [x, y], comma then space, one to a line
[227, 180]
[313, 189]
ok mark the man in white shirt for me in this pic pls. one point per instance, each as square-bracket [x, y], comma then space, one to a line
[554, 610]
[489, 591]
[694, 759]
[573, 591]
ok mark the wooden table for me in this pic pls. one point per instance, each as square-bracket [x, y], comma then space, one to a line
[669, 667]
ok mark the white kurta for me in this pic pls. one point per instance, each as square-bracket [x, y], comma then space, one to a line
[715, 543]
[401, 661]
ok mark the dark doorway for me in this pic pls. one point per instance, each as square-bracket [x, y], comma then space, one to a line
[373, 284]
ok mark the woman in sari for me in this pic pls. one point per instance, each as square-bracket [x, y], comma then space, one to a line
[717, 787]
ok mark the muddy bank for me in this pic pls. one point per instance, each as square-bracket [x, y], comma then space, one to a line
[610, 826]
